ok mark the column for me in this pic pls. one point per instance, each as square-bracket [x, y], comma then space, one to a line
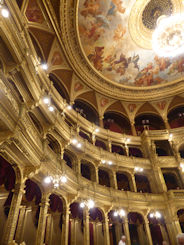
[96, 175]
[65, 226]
[164, 233]
[20, 225]
[133, 128]
[101, 122]
[172, 233]
[167, 126]
[48, 233]
[106, 230]
[148, 233]
[78, 166]
[126, 231]
[117, 231]
[159, 179]
[11, 222]
[114, 180]
[42, 219]
[133, 183]
[86, 226]
[73, 232]
[109, 146]
[141, 234]
[95, 232]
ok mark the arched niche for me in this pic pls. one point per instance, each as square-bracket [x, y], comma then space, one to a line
[86, 110]
[58, 85]
[176, 117]
[68, 159]
[84, 135]
[163, 148]
[88, 170]
[118, 149]
[157, 225]
[148, 121]
[101, 144]
[104, 178]
[123, 181]
[142, 183]
[117, 122]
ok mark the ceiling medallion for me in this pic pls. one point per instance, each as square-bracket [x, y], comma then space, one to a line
[168, 38]
[153, 10]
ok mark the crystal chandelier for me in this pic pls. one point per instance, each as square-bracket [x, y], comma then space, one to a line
[168, 37]
[156, 215]
[120, 213]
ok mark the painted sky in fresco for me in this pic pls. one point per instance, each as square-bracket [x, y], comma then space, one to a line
[104, 34]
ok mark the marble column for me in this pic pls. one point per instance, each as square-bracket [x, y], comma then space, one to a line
[11, 222]
[106, 230]
[126, 230]
[164, 233]
[73, 232]
[49, 227]
[96, 175]
[65, 226]
[148, 232]
[114, 183]
[86, 226]
[167, 125]
[40, 234]
[20, 224]
[118, 231]
[101, 122]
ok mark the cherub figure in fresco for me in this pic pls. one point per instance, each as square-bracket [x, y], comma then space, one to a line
[116, 5]
[97, 58]
[119, 33]
[93, 33]
[163, 63]
[91, 7]
[180, 64]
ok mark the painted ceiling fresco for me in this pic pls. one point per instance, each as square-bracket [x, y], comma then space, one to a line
[106, 41]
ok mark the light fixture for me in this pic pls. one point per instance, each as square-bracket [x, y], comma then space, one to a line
[156, 215]
[138, 169]
[103, 161]
[182, 166]
[120, 213]
[74, 141]
[87, 203]
[97, 130]
[56, 180]
[69, 107]
[79, 145]
[51, 108]
[44, 66]
[168, 37]
[5, 13]
[110, 162]
[46, 100]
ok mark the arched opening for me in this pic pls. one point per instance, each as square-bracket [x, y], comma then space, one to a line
[142, 184]
[171, 181]
[76, 220]
[163, 148]
[117, 123]
[116, 227]
[135, 152]
[88, 170]
[68, 160]
[118, 149]
[54, 221]
[36, 122]
[59, 87]
[100, 144]
[104, 178]
[96, 228]
[176, 117]
[158, 229]
[53, 144]
[122, 182]
[87, 111]
[180, 214]
[148, 121]
[84, 136]
[31, 210]
[7, 183]
[136, 228]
